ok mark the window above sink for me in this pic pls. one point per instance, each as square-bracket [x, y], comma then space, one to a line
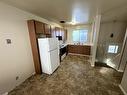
[80, 36]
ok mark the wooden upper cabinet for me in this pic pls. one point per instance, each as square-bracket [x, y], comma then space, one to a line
[39, 27]
[72, 49]
[62, 33]
[65, 34]
[87, 50]
[47, 29]
[58, 31]
[53, 32]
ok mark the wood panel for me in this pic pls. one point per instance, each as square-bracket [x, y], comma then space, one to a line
[57, 31]
[61, 32]
[84, 50]
[34, 46]
[72, 49]
[65, 34]
[47, 29]
[53, 32]
[79, 49]
[39, 26]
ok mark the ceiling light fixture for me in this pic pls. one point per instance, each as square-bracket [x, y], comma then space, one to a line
[73, 23]
[62, 21]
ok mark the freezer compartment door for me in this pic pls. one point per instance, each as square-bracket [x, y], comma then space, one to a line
[53, 43]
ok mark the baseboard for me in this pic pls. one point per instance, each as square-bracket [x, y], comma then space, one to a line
[80, 54]
[6, 93]
[33, 73]
[120, 71]
[122, 90]
[92, 65]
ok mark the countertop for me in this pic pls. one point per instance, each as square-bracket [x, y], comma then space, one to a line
[81, 44]
[63, 45]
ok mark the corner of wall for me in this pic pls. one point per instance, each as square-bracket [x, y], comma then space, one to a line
[120, 71]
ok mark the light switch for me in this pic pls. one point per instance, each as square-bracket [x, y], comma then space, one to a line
[8, 41]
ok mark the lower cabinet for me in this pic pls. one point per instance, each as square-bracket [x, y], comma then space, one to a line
[79, 49]
[72, 48]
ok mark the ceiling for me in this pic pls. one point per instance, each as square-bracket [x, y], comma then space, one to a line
[75, 11]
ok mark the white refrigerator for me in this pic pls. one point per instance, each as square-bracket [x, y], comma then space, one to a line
[49, 54]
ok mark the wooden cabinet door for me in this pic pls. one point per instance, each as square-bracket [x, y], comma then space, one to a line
[58, 31]
[47, 29]
[65, 35]
[72, 49]
[39, 27]
[79, 49]
[62, 33]
[53, 33]
[87, 50]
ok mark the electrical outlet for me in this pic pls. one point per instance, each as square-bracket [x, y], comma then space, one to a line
[8, 41]
[17, 77]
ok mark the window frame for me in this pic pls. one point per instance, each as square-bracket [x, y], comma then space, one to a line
[79, 40]
[114, 51]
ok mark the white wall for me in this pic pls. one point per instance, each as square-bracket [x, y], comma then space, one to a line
[70, 31]
[106, 29]
[16, 58]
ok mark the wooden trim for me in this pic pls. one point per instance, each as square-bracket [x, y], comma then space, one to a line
[39, 27]
[34, 46]
[80, 55]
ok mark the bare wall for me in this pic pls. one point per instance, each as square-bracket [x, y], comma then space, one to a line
[107, 28]
[15, 58]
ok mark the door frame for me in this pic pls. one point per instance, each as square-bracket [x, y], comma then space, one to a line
[122, 51]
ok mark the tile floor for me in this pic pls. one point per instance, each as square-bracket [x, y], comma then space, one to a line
[75, 76]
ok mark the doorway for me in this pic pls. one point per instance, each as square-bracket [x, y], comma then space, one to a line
[110, 43]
